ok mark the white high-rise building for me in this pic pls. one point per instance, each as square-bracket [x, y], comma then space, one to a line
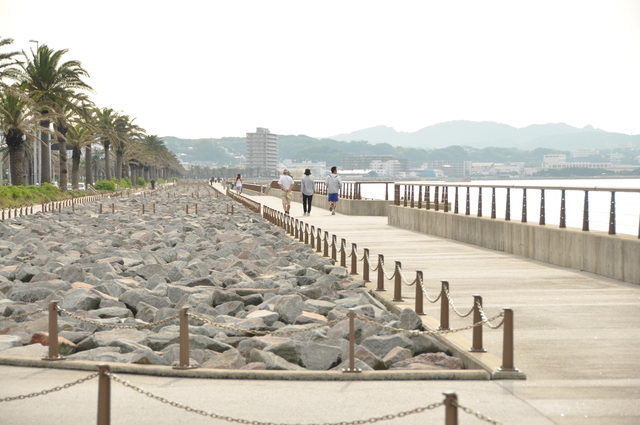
[262, 152]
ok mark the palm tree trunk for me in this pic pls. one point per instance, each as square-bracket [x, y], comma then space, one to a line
[45, 165]
[107, 161]
[64, 172]
[75, 167]
[16, 156]
[119, 156]
[88, 165]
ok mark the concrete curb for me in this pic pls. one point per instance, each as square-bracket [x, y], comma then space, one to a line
[269, 375]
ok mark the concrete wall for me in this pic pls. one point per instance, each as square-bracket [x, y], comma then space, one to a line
[614, 256]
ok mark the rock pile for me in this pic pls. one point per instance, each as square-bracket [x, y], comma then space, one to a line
[238, 271]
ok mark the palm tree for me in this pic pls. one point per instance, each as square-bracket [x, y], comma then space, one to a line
[6, 59]
[127, 134]
[105, 127]
[19, 116]
[78, 137]
[50, 82]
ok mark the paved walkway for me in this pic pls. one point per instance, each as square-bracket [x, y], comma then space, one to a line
[577, 340]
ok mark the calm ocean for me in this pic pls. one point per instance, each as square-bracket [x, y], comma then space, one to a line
[627, 204]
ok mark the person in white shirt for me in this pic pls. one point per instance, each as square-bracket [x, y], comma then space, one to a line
[306, 191]
[286, 187]
[334, 184]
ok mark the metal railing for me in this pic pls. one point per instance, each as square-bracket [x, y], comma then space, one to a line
[438, 197]
[350, 190]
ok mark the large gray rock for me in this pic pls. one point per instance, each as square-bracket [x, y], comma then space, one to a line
[272, 361]
[72, 273]
[289, 308]
[286, 349]
[381, 345]
[410, 320]
[319, 356]
[430, 361]
[9, 341]
[80, 299]
[230, 359]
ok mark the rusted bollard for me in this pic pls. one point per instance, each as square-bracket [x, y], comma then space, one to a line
[354, 259]
[186, 209]
[184, 340]
[365, 265]
[352, 343]
[450, 409]
[477, 330]
[343, 254]
[53, 333]
[296, 228]
[306, 234]
[154, 207]
[113, 208]
[100, 209]
[104, 395]
[231, 209]
[319, 241]
[397, 287]
[507, 343]
[312, 237]
[419, 295]
[143, 209]
[196, 208]
[444, 307]
[380, 273]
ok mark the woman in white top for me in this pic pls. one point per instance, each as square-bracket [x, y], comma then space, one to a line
[238, 184]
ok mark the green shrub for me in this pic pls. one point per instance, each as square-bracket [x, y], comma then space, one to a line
[141, 181]
[109, 185]
[160, 180]
[126, 183]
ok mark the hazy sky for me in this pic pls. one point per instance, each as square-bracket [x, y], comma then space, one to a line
[196, 69]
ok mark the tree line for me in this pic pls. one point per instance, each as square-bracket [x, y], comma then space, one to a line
[44, 104]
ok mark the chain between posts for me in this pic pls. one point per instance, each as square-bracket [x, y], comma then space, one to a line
[476, 414]
[487, 321]
[436, 332]
[446, 289]
[384, 271]
[52, 390]
[248, 422]
[424, 291]
[108, 325]
[20, 316]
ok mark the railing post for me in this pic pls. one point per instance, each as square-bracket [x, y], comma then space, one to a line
[104, 395]
[477, 330]
[386, 192]
[507, 343]
[319, 240]
[455, 210]
[445, 198]
[480, 202]
[405, 194]
[468, 203]
[450, 409]
[563, 217]
[334, 251]
[542, 211]
[365, 265]
[380, 273]
[585, 215]
[524, 205]
[419, 196]
[53, 333]
[306, 234]
[444, 307]
[343, 254]
[352, 343]
[294, 231]
[427, 197]
[412, 193]
[326, 244]
[493, 202]
[435, 199]
[184, 340]
[612, 214]
[396, 194]
[397, 287]
[419, 295]
[354, 259]
[507, 213]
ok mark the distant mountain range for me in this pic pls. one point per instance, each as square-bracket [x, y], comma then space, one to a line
[485, 134]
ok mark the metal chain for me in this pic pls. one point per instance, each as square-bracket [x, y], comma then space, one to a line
[276, 332]
[405, 280]
[477, 414]
[20, 316]
[424, 291]
[373, 269]
[108, 325]
[416, 332]
[384, 271]
[446, 291]
[487, 321]
[52, 390]
[248, 422]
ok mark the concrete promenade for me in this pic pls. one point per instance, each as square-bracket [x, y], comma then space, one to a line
[577, 339]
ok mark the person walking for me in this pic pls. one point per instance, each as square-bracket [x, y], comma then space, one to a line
[286, 187]
[334, 184]
[306, 191]
[238, 184]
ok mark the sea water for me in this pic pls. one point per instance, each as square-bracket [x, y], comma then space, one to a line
[627, 204]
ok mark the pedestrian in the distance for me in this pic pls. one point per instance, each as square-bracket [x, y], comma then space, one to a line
[334, 184]
[238, 184]
[306, 191]
[286, 187]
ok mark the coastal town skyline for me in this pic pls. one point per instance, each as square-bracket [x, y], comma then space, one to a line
[216, 69]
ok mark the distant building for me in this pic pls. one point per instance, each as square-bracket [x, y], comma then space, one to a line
[554, 160]
[450, 168]
[262, 152]
[318, 169]
[584, 153]
[364, 162]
